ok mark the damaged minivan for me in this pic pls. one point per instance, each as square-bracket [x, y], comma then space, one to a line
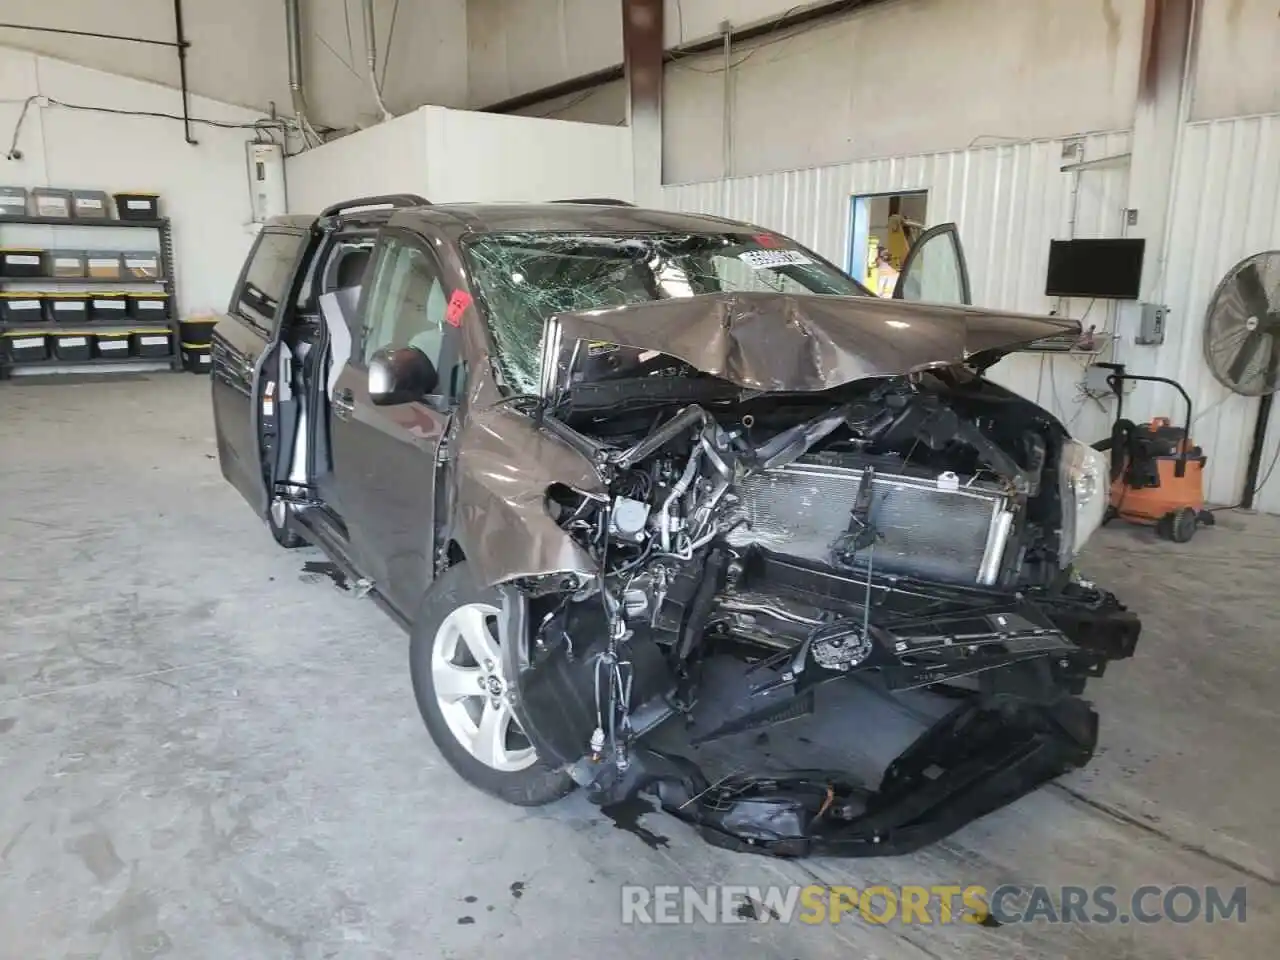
[580, 451]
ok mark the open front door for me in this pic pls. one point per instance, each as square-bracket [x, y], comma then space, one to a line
[935, 269]
[247, 366]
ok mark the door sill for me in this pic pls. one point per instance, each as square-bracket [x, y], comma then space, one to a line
[323, 529]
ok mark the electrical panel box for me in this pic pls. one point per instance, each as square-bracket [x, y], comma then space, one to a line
[266, 179]
[1151, 324]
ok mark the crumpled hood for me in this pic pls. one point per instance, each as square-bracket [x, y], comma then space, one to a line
[768, 341]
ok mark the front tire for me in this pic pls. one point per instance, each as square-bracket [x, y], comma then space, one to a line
[459, 682]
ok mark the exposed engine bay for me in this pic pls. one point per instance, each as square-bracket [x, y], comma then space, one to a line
[918, 527]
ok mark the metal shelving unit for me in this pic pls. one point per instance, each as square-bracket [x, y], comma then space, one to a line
[85, 281]
[52, 365]
[10, 367]
[161, 224]
[89, 328]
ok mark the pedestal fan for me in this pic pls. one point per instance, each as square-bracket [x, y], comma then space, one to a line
[1242, 344]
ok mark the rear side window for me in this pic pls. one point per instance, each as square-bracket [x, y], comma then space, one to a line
[267, 279]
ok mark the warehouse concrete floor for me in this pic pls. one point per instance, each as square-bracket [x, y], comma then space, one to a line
[206, 751]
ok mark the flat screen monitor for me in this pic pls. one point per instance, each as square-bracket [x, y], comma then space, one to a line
[1109, 269]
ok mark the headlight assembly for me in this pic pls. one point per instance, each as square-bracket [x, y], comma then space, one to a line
[1083, 480]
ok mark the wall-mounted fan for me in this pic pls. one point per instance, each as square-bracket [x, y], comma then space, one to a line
[1242, 332]
[1242, 343]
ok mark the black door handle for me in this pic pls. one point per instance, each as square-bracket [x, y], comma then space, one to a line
[343, 404]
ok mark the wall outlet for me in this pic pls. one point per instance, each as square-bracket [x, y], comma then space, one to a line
[1095, 379]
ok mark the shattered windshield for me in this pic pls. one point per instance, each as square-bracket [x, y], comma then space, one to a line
[525, 278]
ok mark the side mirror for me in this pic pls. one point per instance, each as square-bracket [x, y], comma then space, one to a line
[401, 376]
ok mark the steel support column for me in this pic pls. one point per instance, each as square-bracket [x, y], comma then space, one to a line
[642, 67]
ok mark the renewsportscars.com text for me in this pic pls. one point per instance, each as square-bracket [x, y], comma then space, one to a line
[936, 904]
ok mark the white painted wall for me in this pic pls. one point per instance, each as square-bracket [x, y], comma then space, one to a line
[900, 77]
[904, 78]
[235, 53]
[238, 49]
[422, 57]
[897, 78]
[1238, 68]
[606, 103]
[514, 46]
[463, 156]
[388, 158]
[1226, 207]
[485, 157]
[204, 189]
[689, 22]
[1009, 202]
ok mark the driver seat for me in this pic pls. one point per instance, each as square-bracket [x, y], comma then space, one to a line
[338, 303]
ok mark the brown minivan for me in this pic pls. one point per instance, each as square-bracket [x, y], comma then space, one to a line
[588, 454]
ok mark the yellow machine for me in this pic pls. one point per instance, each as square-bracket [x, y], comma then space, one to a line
[903, 234]
[900, 235]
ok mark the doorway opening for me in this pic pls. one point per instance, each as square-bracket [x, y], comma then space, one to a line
[885, 227]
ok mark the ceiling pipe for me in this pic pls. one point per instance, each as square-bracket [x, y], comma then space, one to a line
[371, 58]
[181, 43]
[726, 119]
[293, 30]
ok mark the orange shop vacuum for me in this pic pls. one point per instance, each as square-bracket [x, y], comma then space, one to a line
[1156, 473]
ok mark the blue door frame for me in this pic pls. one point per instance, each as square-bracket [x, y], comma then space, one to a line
[859, 236]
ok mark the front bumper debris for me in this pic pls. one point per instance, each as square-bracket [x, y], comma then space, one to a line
[1029, 655]
[980, 757]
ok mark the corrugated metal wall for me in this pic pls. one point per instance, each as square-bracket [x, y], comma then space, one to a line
[1009, 200]
[1226, 207]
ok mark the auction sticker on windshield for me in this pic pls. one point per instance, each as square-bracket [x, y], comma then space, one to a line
[768, 259]
[458, 304]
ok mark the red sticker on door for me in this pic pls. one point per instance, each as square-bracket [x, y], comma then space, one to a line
[458, 304]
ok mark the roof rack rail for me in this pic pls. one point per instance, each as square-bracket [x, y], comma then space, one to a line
[383, 200]
[599, 201]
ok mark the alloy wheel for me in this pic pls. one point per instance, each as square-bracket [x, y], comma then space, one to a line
[471, 689]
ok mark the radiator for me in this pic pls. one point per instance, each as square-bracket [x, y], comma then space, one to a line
[950, 529]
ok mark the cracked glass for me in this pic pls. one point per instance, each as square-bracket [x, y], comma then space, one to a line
[523, 279]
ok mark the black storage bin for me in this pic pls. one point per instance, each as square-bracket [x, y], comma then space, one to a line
[152, 307]
[141, 264]
[197, 330]
[196, 357]
[103, 264]
[13, 202]
[110, 346]
[51, 202]
[66, 307]
[90, 205]
[21, 262]
[152, 343]
[138, 206]
[108, 308]
[21, 308]
[64, 263]
[72, 346]
[25, 347]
